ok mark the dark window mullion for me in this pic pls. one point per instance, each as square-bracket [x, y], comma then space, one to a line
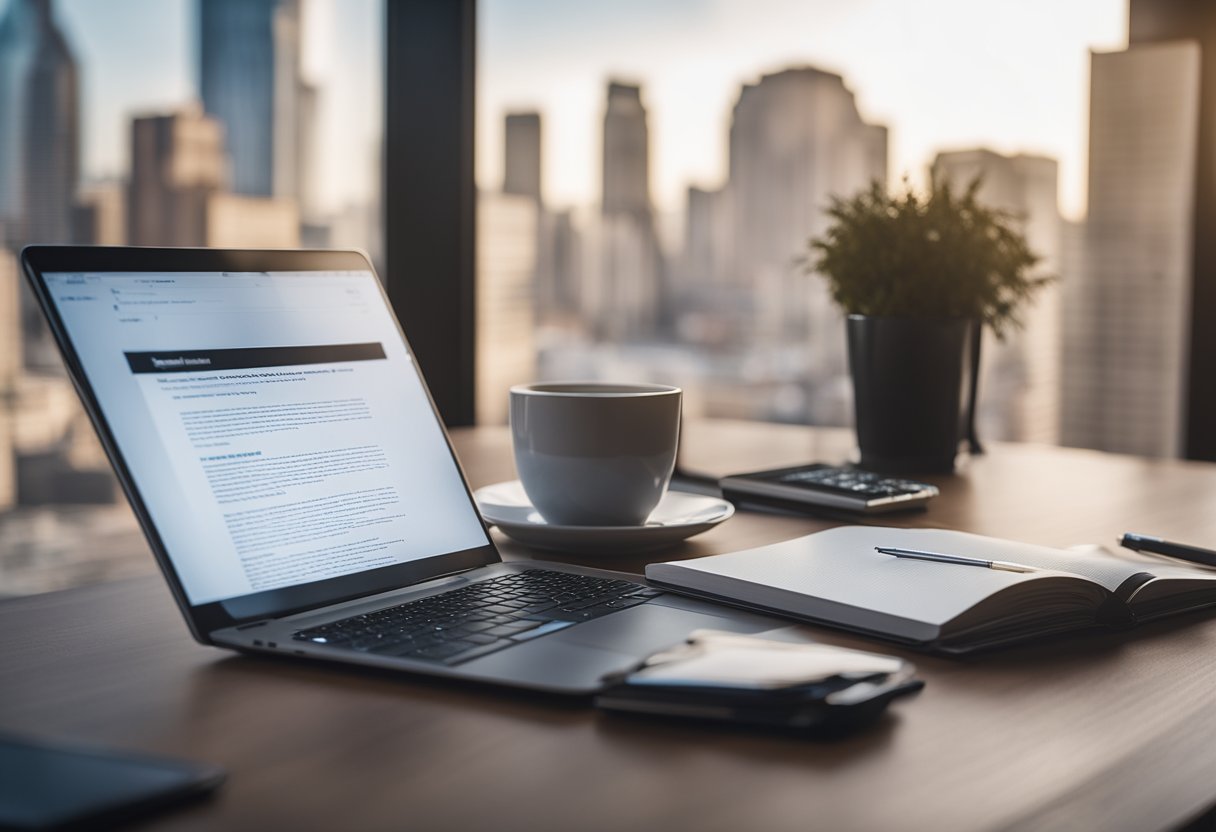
[429, 193]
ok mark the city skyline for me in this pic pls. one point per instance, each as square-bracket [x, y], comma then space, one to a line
[178, 191]
[1024, 86]
[341, 51]
[796, 137]
[670, 158]
[342, 47]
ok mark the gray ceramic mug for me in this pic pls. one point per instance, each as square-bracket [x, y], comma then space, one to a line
[591, 454]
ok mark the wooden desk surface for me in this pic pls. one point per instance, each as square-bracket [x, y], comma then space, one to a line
[1094, 732]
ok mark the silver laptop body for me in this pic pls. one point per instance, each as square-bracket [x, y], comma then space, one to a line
[277, 443]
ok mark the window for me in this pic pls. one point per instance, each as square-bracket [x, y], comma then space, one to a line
[649, 174]
[227, 123]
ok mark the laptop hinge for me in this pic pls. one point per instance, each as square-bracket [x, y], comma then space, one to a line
[253, 624]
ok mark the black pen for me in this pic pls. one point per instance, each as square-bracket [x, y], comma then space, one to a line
[1143, 543]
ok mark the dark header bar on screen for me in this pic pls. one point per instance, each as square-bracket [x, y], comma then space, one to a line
[195, 361]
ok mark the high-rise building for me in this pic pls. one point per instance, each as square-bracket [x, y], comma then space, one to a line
[99, 217]
[521, 176]
[521, 167]
[562, 253]
[796, 140]
[288, 97]
[250, 80]
[1126, 330]
[39, 125]
[39, 137]
[707, 237]
[506, 269]
[10, 316]
[629, 300]
[52, 131]
[239, 221]
[1153, 21]
[17, 42]
[307, 184]
[10, 369]
[178, 193]
[626, 159]
[1020, 379]
[177, 162]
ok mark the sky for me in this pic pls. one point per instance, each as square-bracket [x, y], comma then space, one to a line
[140, 56]
[1011, 75]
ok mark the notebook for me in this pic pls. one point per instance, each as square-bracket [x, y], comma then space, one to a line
[836, 577]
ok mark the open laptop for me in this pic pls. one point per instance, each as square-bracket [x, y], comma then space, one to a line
[278, 445]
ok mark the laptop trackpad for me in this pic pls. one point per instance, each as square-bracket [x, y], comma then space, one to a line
[650, 627]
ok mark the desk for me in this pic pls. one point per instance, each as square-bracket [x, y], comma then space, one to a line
[1093, 732]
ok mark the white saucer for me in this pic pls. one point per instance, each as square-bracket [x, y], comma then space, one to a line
[678, 516]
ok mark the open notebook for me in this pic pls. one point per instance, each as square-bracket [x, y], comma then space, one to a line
[835, 577]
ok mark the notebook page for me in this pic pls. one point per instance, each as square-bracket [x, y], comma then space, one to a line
[1108, 572]
[840, 566]
[1159, 565]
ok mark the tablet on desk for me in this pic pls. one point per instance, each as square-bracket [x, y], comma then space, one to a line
[52, 786]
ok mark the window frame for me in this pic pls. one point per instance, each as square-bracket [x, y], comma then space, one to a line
[429, 191]
[430, 211]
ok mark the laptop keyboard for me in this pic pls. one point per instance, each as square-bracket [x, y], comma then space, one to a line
[473, 621]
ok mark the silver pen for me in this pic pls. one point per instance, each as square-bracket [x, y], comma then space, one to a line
[918, 554]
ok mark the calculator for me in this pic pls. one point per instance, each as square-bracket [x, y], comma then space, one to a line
[841, 487]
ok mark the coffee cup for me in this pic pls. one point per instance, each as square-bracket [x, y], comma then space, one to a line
[595, 454]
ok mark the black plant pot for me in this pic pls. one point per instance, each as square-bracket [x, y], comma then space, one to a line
[908, 390]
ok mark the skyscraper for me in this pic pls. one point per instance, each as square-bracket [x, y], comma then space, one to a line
[10, 368]
[179, 196]
[1152, 21]
[239, 221]
[796, 140]
[1020, 382]
[562, 256]
[629, 299]
[52, 127]
[521, 168]
[706, 237]
[521, 177]
[39, 125]
[506, 275]
[99, 217]
[39, 137]
[177, 162]
[626, 161]
[308, 110]
[249, 78]
[17, 43]
[1127, 324]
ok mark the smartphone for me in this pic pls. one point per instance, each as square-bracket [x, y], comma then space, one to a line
[46, 785]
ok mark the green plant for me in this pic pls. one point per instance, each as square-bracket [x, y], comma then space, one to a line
[944, 255]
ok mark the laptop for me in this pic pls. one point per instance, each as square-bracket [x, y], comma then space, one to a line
[276, 440]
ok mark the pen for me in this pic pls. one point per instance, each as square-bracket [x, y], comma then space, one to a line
[917, 554]
[1144, 543]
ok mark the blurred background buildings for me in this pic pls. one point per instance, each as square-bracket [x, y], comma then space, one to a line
[232, 165]
[270, 136]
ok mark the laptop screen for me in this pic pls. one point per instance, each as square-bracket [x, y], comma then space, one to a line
[274, 424]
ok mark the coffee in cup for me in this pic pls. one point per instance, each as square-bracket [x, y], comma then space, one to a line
[595, 454]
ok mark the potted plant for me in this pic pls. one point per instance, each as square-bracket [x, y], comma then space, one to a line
[918, 277]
